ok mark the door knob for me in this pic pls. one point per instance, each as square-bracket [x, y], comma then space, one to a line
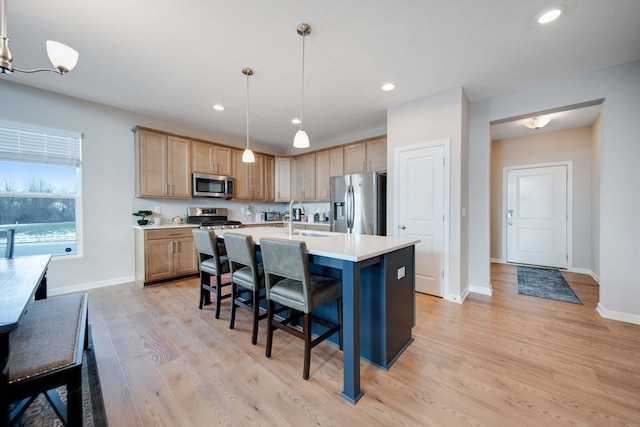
[401, 227]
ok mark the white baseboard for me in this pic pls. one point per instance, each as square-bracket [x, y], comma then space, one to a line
[498, 260]
[455, 298]
[482, 290]
[87, 286]
[618, 315]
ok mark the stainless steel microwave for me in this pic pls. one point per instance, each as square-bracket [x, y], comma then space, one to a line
[206, 185]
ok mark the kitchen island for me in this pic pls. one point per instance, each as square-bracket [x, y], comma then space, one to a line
[378, 298]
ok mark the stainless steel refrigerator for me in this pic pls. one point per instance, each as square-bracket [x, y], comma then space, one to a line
[359, 203]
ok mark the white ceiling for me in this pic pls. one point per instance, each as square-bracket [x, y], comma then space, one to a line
[173, 60]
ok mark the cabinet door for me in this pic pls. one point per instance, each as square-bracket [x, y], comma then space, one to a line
[179, 167]
[269, 178]
[309, 176]
[297, 178]
[241, 175]
[377, 155]
[184, 256]
[202, 157]
[256, 178]
[222, 160]
[336, 161]
[355, 158]
[283, 179]
[323, 166]
[151, 156]
[158, 259]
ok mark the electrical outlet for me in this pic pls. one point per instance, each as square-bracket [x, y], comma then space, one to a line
[401, 272]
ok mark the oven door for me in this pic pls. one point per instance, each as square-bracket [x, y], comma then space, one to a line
[206, 185]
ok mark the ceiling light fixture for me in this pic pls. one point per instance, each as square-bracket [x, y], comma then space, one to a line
[388, 87]
[549, 16]
[218, 107]
[537, 122]
[301, 140]
[61, 56]
[296, 121]
[247, 156]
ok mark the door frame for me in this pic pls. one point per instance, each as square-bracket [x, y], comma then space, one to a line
[503, 226]
[446, 182]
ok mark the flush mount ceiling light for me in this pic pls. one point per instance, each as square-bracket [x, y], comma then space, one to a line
[537, 122]
[301, 139]
[247, 156]
[61, 56]
[550, 15]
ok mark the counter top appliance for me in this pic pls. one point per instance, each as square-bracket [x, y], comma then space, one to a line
[211, 218]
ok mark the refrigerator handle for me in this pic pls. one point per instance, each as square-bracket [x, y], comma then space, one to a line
[350, 207]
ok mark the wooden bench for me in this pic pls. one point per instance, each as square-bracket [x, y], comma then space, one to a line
[46, 353]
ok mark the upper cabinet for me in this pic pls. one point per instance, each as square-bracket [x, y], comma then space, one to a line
[269, 178]
[366, 156]
[210, 158]
[304, 177]
[283, 179]
[329, 163]
[163, 165]
[249, 177]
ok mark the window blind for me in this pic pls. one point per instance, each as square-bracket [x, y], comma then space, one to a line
[39, 145]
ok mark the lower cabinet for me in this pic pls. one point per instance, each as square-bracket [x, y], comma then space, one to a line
[163, 254]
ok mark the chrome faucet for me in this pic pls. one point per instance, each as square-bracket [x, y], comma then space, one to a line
[291, 214]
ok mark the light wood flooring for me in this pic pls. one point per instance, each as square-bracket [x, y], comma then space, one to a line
[505, 360]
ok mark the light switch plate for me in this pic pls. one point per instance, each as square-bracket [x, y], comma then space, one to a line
[401, 273]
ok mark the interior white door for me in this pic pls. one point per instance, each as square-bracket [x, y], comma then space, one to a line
[536, 216]
[420, 212]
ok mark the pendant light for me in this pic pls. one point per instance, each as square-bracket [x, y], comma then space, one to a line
[247, 155]
[301, 140]
[61, 56]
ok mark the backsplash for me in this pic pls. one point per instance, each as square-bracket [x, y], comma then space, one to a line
[237, 210]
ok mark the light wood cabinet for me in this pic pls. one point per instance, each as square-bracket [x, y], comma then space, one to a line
[329, 163]
[163, 254]
[377, 155]
[304, 177]
[355, 156]
[283, 179]
[210, 158]
[163, 165]
[249, 177]
[269, 178]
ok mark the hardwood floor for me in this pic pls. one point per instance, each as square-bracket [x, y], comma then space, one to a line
[503, 360]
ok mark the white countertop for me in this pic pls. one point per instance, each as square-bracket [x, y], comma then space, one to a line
[349, 247]
[322, 224]
[163, 226]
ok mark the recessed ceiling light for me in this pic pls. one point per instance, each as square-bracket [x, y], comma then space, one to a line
[218, 107]
[549, 16]
[388, 86]
[295, 121]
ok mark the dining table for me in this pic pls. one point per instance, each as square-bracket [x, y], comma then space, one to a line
[376, 270]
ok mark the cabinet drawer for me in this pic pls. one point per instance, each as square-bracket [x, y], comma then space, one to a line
[170, 233]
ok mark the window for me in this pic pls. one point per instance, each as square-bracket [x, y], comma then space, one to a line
[39, 188]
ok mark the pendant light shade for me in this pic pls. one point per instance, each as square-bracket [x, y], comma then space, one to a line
[247, 155]
[301, 139]
[61, 56]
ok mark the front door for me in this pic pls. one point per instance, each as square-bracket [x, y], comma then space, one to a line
[536, 216]
[420, 211]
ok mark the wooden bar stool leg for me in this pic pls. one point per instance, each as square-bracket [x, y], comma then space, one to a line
[306, 320]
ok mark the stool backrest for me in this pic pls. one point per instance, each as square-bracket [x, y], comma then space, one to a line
[207, 246]
[242, 250]
[286, 258]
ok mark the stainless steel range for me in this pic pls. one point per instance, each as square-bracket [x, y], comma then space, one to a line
[211, 218]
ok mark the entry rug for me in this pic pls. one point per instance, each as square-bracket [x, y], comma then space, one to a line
[41, 414]
[545, 283]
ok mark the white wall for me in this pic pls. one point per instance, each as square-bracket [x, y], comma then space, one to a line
[619, 175]
[437, 117]
[107, 179]
[570, 145]
[595, 197]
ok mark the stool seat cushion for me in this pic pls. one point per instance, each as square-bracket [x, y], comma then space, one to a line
[46, 322]
[290, 292]
[209, 265]
[244, 277]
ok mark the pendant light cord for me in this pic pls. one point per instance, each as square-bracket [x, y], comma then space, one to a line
[247, 111]
[302, 87]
